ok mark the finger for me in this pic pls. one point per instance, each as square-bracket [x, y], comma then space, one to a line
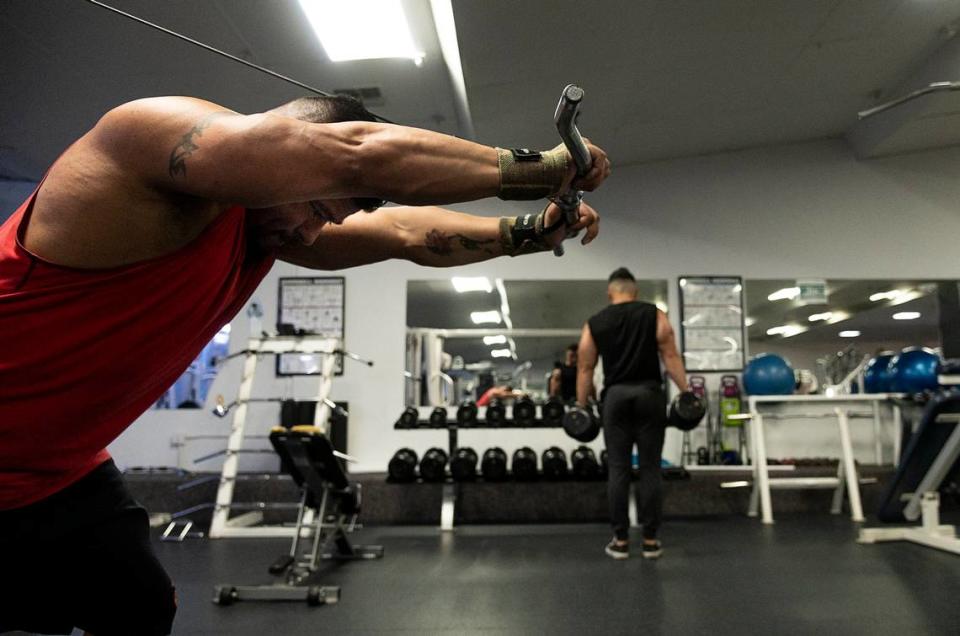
[592, 231]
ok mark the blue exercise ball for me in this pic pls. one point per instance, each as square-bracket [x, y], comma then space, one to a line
[914, 370]
[768, 374]
[876, 375]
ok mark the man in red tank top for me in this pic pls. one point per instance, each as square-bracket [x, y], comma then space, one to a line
[151, 231]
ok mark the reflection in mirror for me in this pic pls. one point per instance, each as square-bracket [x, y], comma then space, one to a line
[830, 331]
[465, 335]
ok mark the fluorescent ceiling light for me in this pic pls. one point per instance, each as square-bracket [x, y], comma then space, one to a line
[471, 283]
[827, 315]
[485, 317]
[906, 315]
[906, 297]
[849, 334]
[896, 295]
[501, 353]
[787, 293]
[361, 29]
[492, 340]
[786, 331]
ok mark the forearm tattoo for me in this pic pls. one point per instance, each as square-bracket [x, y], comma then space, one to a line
[443, 244]
[187, 145]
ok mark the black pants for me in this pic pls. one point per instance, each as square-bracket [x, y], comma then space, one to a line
[634, 414]
[82, 558]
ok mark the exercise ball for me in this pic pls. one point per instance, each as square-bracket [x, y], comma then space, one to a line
[768, 374]
[876, 375]
[914, 370]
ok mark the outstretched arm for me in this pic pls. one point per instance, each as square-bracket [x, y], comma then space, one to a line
[429, 236]
[198, 148]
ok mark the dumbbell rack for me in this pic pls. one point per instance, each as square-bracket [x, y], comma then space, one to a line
[448, 504]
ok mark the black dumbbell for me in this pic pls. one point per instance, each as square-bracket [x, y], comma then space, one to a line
[494, 464]
[524, 411]
[582, 424]
[553, 410]
[438, 418]
[433, 466]
[409, 417]
[403, 466]
[463, 464]
[496, 413]
[467, 413]
[524, 464]
[686, 411]
[585, 464]
[554, 462]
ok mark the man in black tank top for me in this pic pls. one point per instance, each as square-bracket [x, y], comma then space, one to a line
[563, 379]
[632, 338]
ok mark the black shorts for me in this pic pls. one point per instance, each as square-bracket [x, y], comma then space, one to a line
[82, 558]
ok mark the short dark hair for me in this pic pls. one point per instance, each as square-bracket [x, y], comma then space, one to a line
[331, 109]
[573, 347]
[621, 273]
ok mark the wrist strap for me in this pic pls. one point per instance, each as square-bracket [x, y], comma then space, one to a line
[524, 234]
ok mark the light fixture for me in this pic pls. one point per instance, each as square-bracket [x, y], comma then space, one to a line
[492, 340]
[906, 315]
[362, 29]
[501, 353]
[787, 293]
[787, 331]
[853, 333]
[827, 315]
[895, 295]
[485, 317]
[465, 284]
[749, 322]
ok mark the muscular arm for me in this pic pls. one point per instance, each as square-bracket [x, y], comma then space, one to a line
[429, 236]
[667, 345]
[554, 385]
[587, 357]
[199, 148]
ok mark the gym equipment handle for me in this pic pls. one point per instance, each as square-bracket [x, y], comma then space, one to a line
[565, 118]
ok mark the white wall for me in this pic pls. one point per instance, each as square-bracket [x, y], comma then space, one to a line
[805, 210]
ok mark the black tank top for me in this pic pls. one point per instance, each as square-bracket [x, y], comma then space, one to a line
[626, 337]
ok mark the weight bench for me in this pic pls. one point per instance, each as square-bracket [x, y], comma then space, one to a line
[930, 457]
[328, 510]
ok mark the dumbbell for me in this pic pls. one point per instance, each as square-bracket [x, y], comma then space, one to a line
[433, 466]
[582, 423]
[402, 468]
[463, 465]
[496, 413]
[524, 411]
[494, 464]
[467, 413]
[438, 418]
[524, 464]
[554, 462]
[686, 411]
[585, 465]
[409, 417]
[553, 410]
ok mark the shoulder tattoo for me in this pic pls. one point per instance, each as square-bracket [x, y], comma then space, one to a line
[188, 145]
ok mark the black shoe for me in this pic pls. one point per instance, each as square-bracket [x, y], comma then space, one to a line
[621, 551]
[652, 550]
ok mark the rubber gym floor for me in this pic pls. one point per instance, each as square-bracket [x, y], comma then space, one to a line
[728, 575]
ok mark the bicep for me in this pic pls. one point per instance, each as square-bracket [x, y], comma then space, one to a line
[199, 148]
[587, 349]
[666, 342]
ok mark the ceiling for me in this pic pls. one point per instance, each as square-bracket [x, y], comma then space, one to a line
[874, 320]
[663, 78]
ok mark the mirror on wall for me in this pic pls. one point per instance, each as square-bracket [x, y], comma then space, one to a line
[829, 326]
[465, 335]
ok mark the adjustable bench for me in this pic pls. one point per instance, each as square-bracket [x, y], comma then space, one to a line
[328, 510]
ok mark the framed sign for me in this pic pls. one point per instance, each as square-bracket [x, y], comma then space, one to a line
[711, 318]
[310, 306]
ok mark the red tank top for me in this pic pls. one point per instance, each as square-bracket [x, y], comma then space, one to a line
[83, 352]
